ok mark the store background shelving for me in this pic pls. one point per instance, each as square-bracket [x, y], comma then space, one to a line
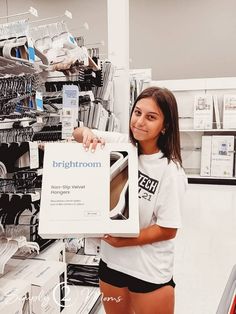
[185, 91]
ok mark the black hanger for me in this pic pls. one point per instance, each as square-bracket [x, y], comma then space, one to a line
[15, 205]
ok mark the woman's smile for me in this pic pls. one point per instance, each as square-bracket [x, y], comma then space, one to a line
[135, 129]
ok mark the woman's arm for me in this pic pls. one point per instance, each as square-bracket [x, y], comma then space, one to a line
[86, 136]
[147, 235]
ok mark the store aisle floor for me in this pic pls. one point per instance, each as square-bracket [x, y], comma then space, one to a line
[205, 255]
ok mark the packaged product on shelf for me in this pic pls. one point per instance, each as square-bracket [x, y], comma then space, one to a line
[229, 112]
[203, 112]
[216, 112]
[15, 296]
[47, 280]
[222, 156]
[206, 156]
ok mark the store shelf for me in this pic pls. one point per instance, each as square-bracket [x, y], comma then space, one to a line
[192, 139]
[12, 67]
[196, 178]
[8, 123]
[209, 130]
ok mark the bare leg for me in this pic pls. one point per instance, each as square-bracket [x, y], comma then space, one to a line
[115, 300]
[160, 301]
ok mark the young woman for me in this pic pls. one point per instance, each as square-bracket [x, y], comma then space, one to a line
[136, 274]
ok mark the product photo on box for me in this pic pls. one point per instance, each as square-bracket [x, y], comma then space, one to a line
[89, 193]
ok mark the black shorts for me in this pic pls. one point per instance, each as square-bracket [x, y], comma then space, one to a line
[121, 280]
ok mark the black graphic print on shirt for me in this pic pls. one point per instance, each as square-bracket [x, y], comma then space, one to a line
[147, 186]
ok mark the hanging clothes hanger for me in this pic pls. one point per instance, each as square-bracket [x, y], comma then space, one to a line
[119, 186]
[11, 245]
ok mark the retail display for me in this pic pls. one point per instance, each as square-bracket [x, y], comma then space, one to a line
[207, 128]
[28, 115]
[35, 64]
[217, 156]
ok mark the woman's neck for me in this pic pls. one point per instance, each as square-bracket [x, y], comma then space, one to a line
[147, 149]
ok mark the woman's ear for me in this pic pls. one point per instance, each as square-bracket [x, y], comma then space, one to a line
[165, 128]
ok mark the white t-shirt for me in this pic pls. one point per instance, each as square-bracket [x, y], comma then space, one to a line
[161, 190]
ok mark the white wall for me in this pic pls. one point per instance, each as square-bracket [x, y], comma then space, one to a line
[3, 10]
[176, 39]
[182, 39]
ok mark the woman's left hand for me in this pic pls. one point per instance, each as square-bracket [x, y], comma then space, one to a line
[151, 234]
[119, 241]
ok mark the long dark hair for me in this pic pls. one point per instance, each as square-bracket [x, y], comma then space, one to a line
[169, 142]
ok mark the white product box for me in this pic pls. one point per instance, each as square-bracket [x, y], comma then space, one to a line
[47, 281]
[229, 112]
[217, 112]
[222, 156]
[89, 193]
[70, 109]
[54, 252]
[88, 300]
[92, 246]
[82, 259]
[203, 112]
[15, 296]
[206, 156]
[10, 265]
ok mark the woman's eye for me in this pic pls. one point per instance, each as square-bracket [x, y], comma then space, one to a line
[137, 112]
[151, 117]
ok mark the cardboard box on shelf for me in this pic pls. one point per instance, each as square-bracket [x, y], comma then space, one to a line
[229, 112]
[47, 280]
[222, 156]
[89, 193]
[54, 252]
[15, 296]
[206, 156]
[203, 112]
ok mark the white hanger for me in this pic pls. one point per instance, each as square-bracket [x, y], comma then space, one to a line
[120, 207]
[119, 165]
[14, 43]
[12, 245]
[116, 168]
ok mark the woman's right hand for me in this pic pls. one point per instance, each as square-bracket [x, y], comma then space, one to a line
[87, 137]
